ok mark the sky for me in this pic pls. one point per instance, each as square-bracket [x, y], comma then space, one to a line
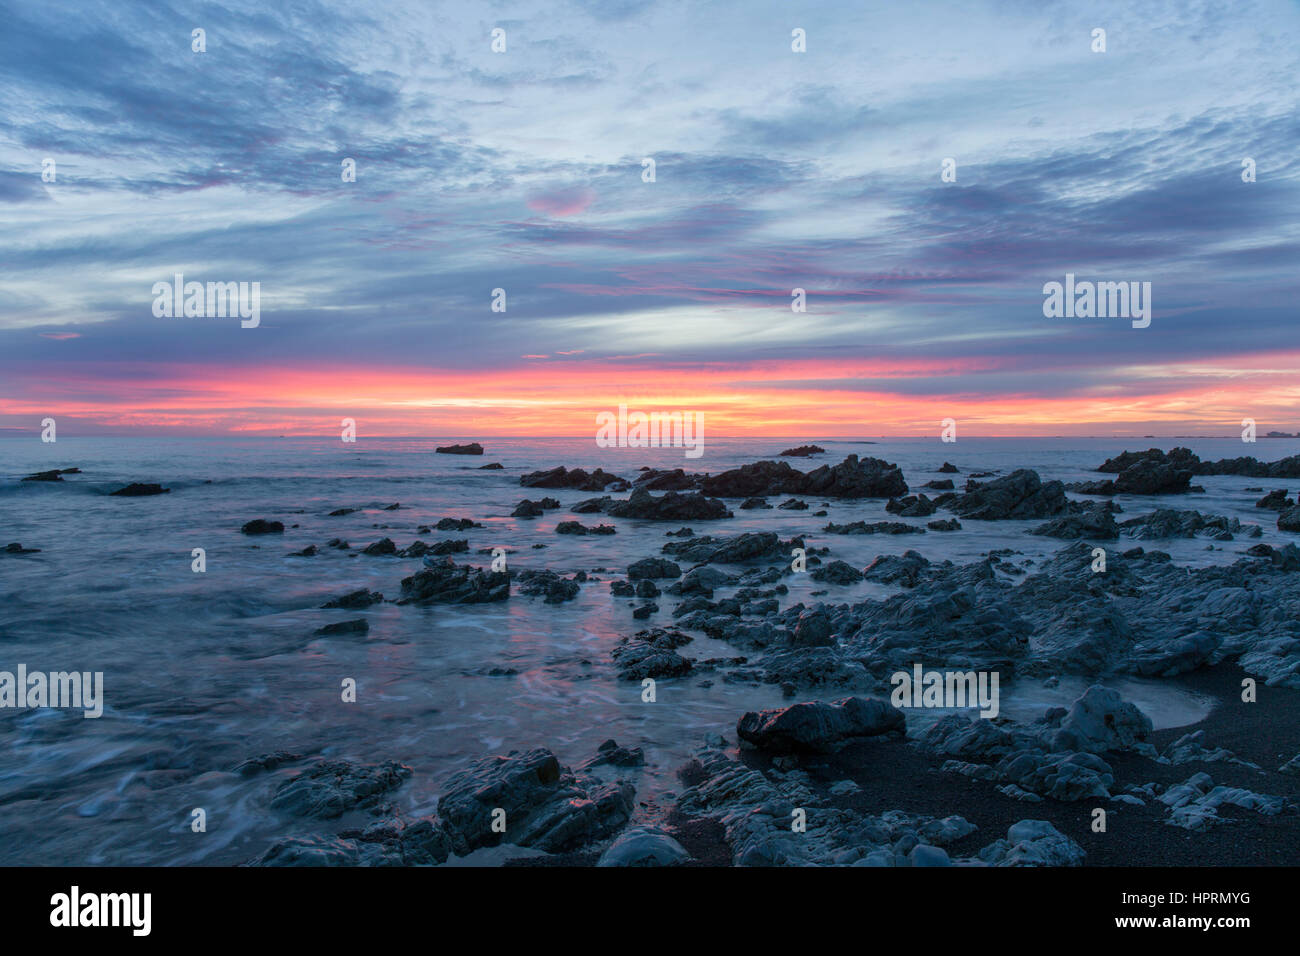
[522, 170]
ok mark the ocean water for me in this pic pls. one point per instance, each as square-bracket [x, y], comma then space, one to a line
[202, 671]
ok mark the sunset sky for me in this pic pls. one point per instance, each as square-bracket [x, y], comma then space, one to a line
[522, 170]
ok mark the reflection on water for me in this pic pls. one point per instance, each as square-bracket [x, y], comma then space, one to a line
[202, 671]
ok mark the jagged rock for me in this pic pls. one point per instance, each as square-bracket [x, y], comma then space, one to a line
[876, 527]
[652, 653]
[562, 477]
[355, 600]
[746, 548]
[545, 805]
[384, 546]
[700, 581]
[851, 478]
[671, 506]
[455, 584]
[1194, 805]
[578, 528]
[1289, 520]
[837, 572]
[54, 474]
[818, 725]
[555, 588]
[944, 524]
[1275, 501]
[1021, 494]
[330, 788]
[948, 469]
[1095, 521]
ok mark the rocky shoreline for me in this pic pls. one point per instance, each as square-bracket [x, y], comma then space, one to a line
[845, 777]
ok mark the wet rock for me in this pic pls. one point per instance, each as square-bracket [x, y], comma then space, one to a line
[622, 589]
[611, 754]
[814, 629]
[1289, 520]
[746, 548]
[837, 572]
[330, 788]
[948, 469]
[262, 526]
[546, 806]
[944, 524]
[1021, 494]
[671, 506]
[869, 478]
[939, 484]
[912, 506]
[751, 503]
[139, 490]
[494, 466]
[562, 477]
[355, 600]
[700, 581]
[455, 524]
[578, 528]
[907, 569]
[473, 448]
[653, 568]
[382, 547]
[455, 584]
[644, 846]
[1095, 521]
[818, 725]
[54, 474]
[652, 653]
[1172, 523]
[264, 762]
[1275, 501]
[875, 527]
[803, 451]
[15, 547]
[555, 588]
[358, 626]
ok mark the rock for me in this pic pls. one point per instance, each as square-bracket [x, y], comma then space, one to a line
[1289, 520]
[1034, 843]
[611, 754]
[652, 653]
[564, 478]
[700, 581]
[578, 528]
[358, 626]
[1148, 477]
[747, 548]
[818, 725]
[941, 484]
[455, 524]
[948, 469]
[1095, 521]
[1275, 501]
[137, 490]
[803, 451]
[1101, 720]
[1194, 805]
[751, 503]
[1020, 494]
[813, 629]
[545, 805]
[555, 588]
[355, 600]
[494, 466]
[869, 478]
[653, 568]
[837, 572]
[671, 506]
[912, 506]
[55, 474]
[876, 527]
[15, 547]
[330, 788]
[384, 546]
[455, 584]
[644, 846]
[262, 526]
[473, 448]
[944, 524]
[925, 855]
[1067, 776]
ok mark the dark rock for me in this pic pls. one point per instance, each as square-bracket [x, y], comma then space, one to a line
[262, 526]
[948, 469]
[1020, 494]
[671, 506]
[819, 726]
[562, 477]
[473, 448]
[751, 503]
[53, 474]
[494, 466]
[331, 788]
[384, 546]
[941, 484]
[355, 600]
[653, 568]
[455, 584]
[359, 626]
[876, 527]
[803, 451]
[837, 572]
[137, 490]
[944, 524]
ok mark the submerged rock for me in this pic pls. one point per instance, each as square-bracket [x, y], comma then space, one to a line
[262, 526]
[139, 490]
[455, 584]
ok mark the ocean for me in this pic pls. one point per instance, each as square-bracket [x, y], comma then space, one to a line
[205, 670]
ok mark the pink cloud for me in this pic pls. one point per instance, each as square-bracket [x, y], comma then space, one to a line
[562, 202]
